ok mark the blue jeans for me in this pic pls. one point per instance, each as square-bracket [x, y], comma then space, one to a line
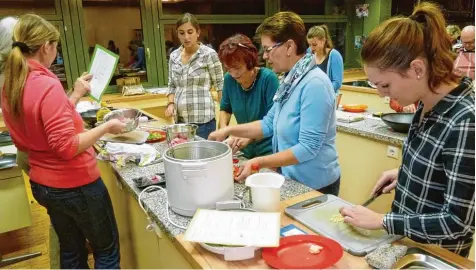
[78, 214]
[206, 128]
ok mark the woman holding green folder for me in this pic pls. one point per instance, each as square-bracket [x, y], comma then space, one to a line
[44, 124]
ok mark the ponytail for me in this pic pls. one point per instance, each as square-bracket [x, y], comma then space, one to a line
[16, 72]
[327, 36]
[395, 43]
[437, 50]
[321, 32]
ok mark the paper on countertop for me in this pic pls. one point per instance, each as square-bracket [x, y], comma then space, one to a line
[102, 67]
[234, 228]
[84, 106]
[348, 117]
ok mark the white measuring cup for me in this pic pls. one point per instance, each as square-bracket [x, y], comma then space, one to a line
[265, 191]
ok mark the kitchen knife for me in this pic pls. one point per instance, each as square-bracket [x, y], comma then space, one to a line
[377, 193]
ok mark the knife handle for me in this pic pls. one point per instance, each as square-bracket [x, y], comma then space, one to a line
[379, 191]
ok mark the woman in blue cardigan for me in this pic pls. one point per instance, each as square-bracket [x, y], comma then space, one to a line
[302, 121]
[328, 59]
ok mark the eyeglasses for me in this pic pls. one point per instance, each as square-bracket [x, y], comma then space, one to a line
[371, 84]
[269, 49]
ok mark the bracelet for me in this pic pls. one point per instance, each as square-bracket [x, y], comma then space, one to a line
[170, 103]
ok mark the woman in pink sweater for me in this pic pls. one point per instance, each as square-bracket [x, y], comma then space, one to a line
[43, 123]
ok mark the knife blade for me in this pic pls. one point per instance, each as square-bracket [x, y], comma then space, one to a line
[377, 193]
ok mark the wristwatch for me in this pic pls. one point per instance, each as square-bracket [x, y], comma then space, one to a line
[384, 222]
[168, 104]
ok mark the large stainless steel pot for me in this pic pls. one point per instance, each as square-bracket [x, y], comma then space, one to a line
[198, 175]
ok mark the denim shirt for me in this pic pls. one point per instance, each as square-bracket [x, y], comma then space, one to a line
[306, 124]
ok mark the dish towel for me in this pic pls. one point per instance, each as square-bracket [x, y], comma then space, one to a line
[346, 117]
[121, 153]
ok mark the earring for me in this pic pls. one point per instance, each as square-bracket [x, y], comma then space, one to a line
[418, 77]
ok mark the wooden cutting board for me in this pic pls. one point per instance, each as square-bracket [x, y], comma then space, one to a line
[316, 214]
[133, 137]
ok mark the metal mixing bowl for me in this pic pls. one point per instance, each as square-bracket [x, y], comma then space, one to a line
[184, 131]
[120, 114]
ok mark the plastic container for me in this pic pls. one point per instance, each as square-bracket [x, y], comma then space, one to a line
[265, 191]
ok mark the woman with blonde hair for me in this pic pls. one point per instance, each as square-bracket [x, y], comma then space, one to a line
[63, 172]
[455, 33]
[328, 59]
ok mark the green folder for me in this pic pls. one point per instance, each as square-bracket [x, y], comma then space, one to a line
[108, 73]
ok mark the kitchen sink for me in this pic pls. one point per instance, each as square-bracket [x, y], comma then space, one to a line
[417, 258]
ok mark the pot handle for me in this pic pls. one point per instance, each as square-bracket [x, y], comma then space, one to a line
[190, 171]
[201, 166]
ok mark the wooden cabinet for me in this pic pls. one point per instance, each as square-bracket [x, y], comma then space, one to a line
[119, 203]
[362, 161]
[14, 204]
[140, 248]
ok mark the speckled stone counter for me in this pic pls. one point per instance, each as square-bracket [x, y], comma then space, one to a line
[373, 128]
[155, 201]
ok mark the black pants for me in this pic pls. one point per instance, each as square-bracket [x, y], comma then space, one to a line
[332, 188]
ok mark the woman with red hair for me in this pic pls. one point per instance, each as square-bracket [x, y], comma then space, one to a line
[248, 92]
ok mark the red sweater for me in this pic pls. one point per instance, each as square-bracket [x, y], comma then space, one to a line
[48, 132]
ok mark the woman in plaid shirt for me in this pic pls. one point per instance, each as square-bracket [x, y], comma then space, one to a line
[193, 69]
[410, 59]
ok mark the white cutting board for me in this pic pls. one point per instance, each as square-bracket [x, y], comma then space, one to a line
[317, 217]
[133, 137]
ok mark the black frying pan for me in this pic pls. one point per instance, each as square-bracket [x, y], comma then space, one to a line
[89, 117]
[399, 122]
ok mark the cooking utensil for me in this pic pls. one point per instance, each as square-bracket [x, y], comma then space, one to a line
[399, 122]
[180, 133]
[378, 192]
[198, 175]
[317, 213]
[293, 253]
[89, 117]
[132, 114]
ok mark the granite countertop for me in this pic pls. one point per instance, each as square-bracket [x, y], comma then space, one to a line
[155, 201]
[372, 128]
